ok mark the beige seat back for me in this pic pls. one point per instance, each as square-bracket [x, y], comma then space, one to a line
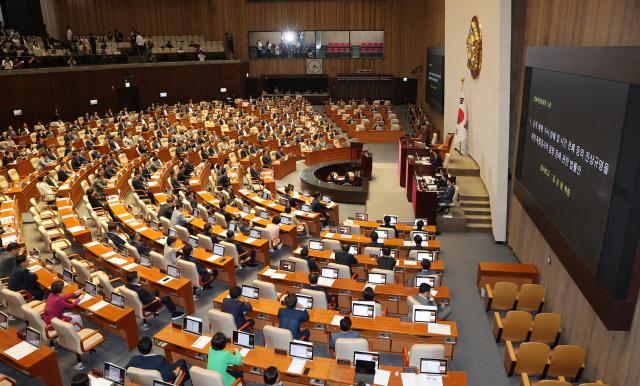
[333, 245]
[425, 350]
[278, 338]
[205, 242]
[301, 264]
[504, 295]
[220, 321]
[15, 301]
[267, 289]
[532, 358]
[220, 220]
[530, 297]
[67, 336]
[82, 273]
[189, 270]
[319, 298]
[105, 284]
[204, 377]
[516, 326]
[231, 250]
[143, 377]
[345, 347]
[158, 260]
[132, 300]
[389, 274]
[183, 233]
[545, 328]
[343, 270]
[566, 361]
[368, 251]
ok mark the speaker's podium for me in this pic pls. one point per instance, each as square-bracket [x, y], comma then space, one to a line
[366, 159]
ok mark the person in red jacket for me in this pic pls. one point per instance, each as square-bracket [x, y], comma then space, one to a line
[58, 305]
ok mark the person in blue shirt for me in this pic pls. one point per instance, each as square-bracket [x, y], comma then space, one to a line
[238, 308]
[291, 318]
[148, 361]
[345, 332]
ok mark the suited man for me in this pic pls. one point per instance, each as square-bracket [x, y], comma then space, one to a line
[113, 145]
[304, 254]
[150, 300]
[266, 158]
[206, 276]
[436, 160]
[447, 196]
[345, 332]
[51, 180]
[113, 235]
[291, 318]
[387, 223]
[24, 280]
[253, 172]
[166, 209]
[385, 261]
[425, 298]
[237, 308]
[287, 195]
[345, 258]
[148, 361]
[313, 285]
[316, 206]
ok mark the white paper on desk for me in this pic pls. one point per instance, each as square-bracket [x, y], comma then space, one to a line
[336, 320]
[84, 298]
[9, 210]
[330, 205]
[329, 235]
[243, 214]
[382, 377]
[298, 213]
[410, 262]
[279, 276]
[117, 261]
[20, 350]
[152, 183]
[91, 244]
[409, 243]
[296, 366]
[249, 240]
[244, 352]
[67, 215]
[213, 258]
[129, 266]
[332, 256]
[97, 306]
[244, 191]
[162, 240]
[271, 205]
[325, 281]
[34, 268]
[346, 237]
[99, 381]
[141, 229]
[108, 254]
[132, 219]
[437, 328]
[76, 228]
[64, 207]
[428, 380]
[9, 239]
[135, 223]
[201, 342]
[269, 272]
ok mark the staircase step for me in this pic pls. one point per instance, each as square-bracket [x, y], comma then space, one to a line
[481, 210]
[478, 219]
[473, 227]
[474, 204]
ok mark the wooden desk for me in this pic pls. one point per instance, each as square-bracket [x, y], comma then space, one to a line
[283, 167]
[177, 344]
[332, 208]
[377, 136]
[393, 297]
[72, 187]
[117, 320]
[180, 290]
[408, 146]
[400, 228]
[396, 243]
[42, 363]
[25, 191]
[330, 154]
[491, 273]
[75, 226]
[385, 334]
[11, 219]
[415, 167]
[425, 202]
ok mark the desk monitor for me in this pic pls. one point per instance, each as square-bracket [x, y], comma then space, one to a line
[250, 292]
[394, 219]
[283, 201]
[163, 94]
[377, 278]
[363, 309]
[344, 230]
[90, 288]
[423, 235]
[306, 208]
[424, 314]
[301, 350]
[67, 276]
[256, 234]
[153, 224]
[326, 198]
[32, 337]
[382, 234]
[429, 279]
[244, 339]
[421, 255]
[4, 321]
[353, 249]
[211, 220]
[362, 216]
[316, 245]
[145, 261]
[172, 232]
[246, 208]
[218, 250]
[424, 221]
[285, 220]
[329, 273]
[195, 212]
[433, 366]
[193, 241]
[264, 214]
[113, 373]
[265, 195]
[305, 301]
[287, 265]
[49, 263]
[173, 271]
[192, 324]
[366, 356]
[117, 299]
[232, 227]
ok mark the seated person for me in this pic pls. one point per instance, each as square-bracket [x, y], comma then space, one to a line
[385, 261]
[425, 298]
[420, 226]
[58, 305]
[24, 280]
[220, 359]
[368, 295]
[313, 285]
[206, 276]
[178, 218]
[292, 317]
[207, 232]
[426, 268]
[249, 258]
[387, 223]
[139, 245]
[345, 258]
[374, 241]
[114, 236]
[148, 361]
[169, 252]
[150, 300]
[345, 332]
[447, 197]
[273, 229]
[271, 376]
[417, 239]
[237, 308]
[304, 254]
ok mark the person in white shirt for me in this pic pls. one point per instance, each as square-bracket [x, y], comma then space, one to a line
[201, 56]
[69, 34]
[7, 64]
[45, 190]
[274, 232]
[140, 43]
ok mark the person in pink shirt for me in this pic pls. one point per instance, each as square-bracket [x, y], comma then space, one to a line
[57, 305]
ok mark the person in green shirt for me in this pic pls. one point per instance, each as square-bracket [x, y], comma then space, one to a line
[220, 359]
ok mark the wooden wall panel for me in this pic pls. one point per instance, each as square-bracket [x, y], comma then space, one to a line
[611, 355]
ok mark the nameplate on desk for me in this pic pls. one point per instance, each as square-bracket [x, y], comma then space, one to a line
[329, 235]
[59, 208]
[76, 228]
[67, 216]
[108, 254]
[130, 266]
[129, 220]
[438, 328]
[20, 350]
[165, 280]
[117, 261]
[98, 306]
[91, 244]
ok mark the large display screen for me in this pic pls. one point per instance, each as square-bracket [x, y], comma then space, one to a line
[435, 79]
[573, 131]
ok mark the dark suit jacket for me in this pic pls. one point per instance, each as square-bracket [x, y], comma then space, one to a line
[237, 309]
[23, 279]
[153, 362]
[291, 319]
[202, 270]
[346, 258]
[145, 296]
[385, 262]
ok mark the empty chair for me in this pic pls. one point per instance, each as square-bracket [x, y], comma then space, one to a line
[277, 338]
[545, 328]
[183, 233]
[531, 358]
[205, 242]
[319, 298]
[13, 175]
[143, 377]
[106, 284]
[223, 322]
[301, 264]
[43, 209]
[6, 380]
[369, 251]
[389, 274]
[344, 272]
[220, 220]
[524, 381]
[35, 321]
[502, 297]
[345, 347]
[4, 184]
[530, 298]
[391, 233]
[231, 250]
[566, 361]
[514, 327]
[204, 377]
[123, 158]
[79, 342]
[50, 243]
[15, 301]
[132, 300]
[422, 350]
[158, 261]
[333, 245]
[81, 268]
[266, 290]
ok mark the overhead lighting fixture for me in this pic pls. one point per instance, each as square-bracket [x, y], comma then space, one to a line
[404, 79]
[289, 37]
